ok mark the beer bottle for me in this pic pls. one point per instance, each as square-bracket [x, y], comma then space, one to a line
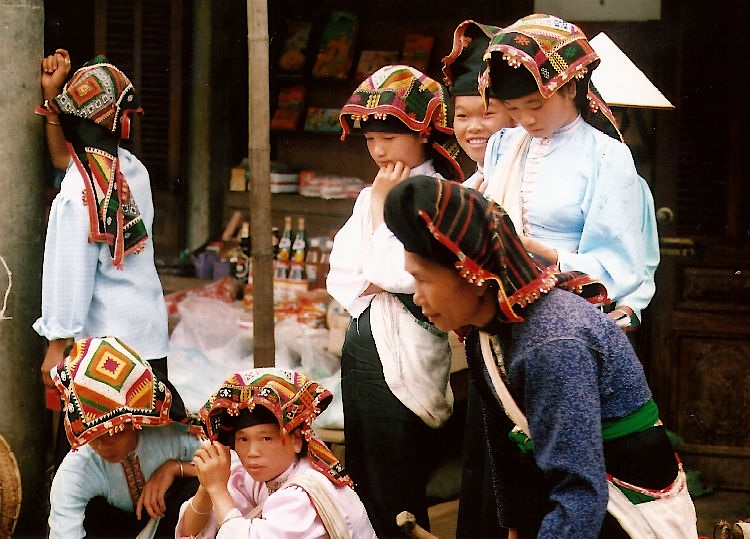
[285, 243]
[299, 247]
[275, 238]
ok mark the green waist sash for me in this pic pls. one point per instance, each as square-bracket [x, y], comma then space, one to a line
[642, 419]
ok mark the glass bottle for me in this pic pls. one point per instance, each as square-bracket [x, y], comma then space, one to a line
[285, 243]
[275, 238]
[299, 247]
[312, 260]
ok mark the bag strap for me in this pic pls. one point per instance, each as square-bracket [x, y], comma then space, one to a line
[509, 404]
[314, 484]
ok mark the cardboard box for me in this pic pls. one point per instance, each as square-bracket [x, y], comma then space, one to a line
[238, 179]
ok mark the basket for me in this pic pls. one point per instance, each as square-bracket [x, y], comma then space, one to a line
[10, 490]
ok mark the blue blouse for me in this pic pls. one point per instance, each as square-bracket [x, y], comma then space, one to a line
[582, 196]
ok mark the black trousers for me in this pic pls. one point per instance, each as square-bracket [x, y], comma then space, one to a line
[104, 520]
[477, 506]
[389, 449]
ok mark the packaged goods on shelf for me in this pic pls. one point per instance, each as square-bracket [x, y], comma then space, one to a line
[370, 61]
[329, 186]
[336, 46]
[289, 111]
[284, 183]
[239, 178]
[294, 56]
[417, 49]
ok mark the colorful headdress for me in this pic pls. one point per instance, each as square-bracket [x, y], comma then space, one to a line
[465, 63]
[94, 108]
[292, 397]
[554, 52]
[453, 225]
[104, 385]
[409, 95]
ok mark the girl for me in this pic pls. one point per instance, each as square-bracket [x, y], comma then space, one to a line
[395, 365]
[573, 192]
[474, 121]
[288, 483]
[574, 433]
[473, 124]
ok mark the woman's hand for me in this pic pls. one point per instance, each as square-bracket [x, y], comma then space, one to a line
[547, 255]
[55, 354]
[479, 183]
[212, 464]
[386, 178]
[152, 497]
[55, 70]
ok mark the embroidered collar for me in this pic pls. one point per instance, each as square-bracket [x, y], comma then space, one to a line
[277, 482]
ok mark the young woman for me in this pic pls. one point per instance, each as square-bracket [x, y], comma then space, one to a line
[573, 430]
[572, 191]
[287, 483]
[99, 276]
[474, 120]
[395, 365]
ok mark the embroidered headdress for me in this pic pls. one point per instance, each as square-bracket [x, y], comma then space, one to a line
[293, 398]
[104, 385]
[407, 94]
[457, 227]
[465, 63]
[94, 108]
[553, 52]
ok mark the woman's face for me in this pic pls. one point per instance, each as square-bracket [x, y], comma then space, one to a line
[264, 451]
[473, 125]
[116, 447]
[445, 297]
[542, 117]
[390, 148]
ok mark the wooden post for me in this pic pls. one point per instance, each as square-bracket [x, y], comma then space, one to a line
[22, 422]
[259, 159]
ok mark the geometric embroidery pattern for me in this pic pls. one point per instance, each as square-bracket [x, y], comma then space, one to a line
[104, 384]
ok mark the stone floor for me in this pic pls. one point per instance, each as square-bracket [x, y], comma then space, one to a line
[710, 508]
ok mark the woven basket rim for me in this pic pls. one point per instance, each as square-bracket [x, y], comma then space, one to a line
[10, 489]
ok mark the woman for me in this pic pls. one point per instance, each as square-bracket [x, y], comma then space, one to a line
[564, 175]
[395, 365]
[576, 444]
[287, 483]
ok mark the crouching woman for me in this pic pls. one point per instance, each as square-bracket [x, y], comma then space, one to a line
[287, 483]
[576, 445]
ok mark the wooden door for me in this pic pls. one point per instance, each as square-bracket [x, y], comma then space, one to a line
[698, 325]
[146, 40]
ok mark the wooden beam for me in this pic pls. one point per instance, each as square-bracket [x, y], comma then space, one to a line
[259, 159]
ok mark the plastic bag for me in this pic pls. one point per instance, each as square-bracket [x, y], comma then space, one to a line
[207, 345]
[303, 348]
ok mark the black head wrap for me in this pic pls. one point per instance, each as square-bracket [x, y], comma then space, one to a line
[463, 66]
[457, 227]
